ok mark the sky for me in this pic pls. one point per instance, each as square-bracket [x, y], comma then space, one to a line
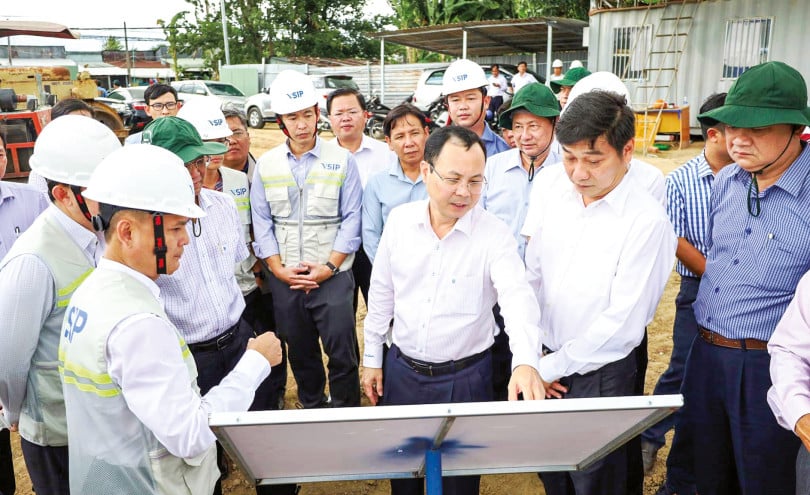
[106, 14]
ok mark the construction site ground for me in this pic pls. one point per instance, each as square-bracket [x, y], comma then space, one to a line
[660, 346]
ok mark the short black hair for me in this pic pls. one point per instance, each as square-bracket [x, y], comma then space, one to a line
[461, 135]
[522, 62]
[343, 92]
[158, 90]
[399, 112]
[597, 113]
[70, 105]
[231, 111]
[716, 100]
[493, 66]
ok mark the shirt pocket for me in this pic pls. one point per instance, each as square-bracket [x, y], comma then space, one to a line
[461, 295]
[781, 264]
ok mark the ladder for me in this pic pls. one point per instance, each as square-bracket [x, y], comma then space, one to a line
[666, 47]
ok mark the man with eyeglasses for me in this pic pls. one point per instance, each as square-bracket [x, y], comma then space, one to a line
[238, 157]
[442, 264]
[203, 298]
[161, 101]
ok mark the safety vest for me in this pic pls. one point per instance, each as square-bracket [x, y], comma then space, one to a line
[307, 219]
[111, 450]
[42, 418]
[235, 183]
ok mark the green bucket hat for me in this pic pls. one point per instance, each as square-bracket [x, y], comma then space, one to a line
[764, 95]
[570, 78]
[181, 138]
[534, 98]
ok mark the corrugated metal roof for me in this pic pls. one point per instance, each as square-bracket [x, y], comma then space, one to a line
[492, 37]
[35, 28]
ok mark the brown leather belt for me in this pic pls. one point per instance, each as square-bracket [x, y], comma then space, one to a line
[715, 338]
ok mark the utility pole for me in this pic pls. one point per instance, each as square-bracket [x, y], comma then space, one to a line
[126, 53]
[225, 33]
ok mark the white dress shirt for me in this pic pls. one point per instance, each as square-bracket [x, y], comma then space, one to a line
[645, 176]
[27, 297]
[440, 292]
[145, 360]
[372, 157]
[202, 297]
[598, 272]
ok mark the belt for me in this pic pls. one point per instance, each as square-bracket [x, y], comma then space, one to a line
[715, 338]
[217, 343]
[445, 368]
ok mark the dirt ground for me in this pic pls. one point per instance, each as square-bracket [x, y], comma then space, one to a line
[659, 347]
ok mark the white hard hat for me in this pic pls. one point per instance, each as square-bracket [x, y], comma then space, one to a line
[70, 148]
[605, 81]
[575, 64]
[207, 117]
[291, 92]
[462, 75]
[557, 63]
[144, 177]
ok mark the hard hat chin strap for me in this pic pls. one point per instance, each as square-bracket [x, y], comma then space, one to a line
[160, 243]
[77, 192]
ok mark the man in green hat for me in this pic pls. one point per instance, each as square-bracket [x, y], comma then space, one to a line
[203, 299]
[509, 174]
[562, 87]
[757, 252]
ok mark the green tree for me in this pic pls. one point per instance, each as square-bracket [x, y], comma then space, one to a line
[112, 44]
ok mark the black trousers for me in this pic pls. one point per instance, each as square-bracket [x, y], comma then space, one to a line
[501, 359]
[361, 269]
[47, 468]
[7, 482]
[259, 314]
[404, 386]
[325, 314]
[609, 474]
[635, 464]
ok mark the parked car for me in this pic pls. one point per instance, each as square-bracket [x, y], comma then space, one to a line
[429, 86]
[130, 104]
[258, 109]
[226, 92]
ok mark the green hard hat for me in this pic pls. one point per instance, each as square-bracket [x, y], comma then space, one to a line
[764, 95]
[181, 138]
[534, 98]
[570, 78]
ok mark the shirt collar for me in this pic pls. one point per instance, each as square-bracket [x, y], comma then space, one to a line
[615, 199]
[315, 151]
[489, 135]
[88, 241]
[5, 192]
[703, 167]
[395, 169]
[115, 266]
[463, 224]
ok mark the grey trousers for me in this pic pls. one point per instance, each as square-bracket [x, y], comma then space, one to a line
[803, 472]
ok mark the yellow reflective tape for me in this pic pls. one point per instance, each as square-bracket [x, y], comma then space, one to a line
[68, 290]
[278, 181]
[86, 387]
[80, 371]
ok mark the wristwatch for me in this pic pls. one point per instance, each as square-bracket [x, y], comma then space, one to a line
[335, 270]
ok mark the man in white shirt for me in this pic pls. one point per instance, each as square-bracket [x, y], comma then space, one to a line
[598, 262]
[440, 267]
[522, 78]
[135, 416]
[347, 115]
[496, 90]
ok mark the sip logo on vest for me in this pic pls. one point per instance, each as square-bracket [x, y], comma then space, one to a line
[331, 166]
[75, 322]
[295, 95]
[239, 191]
[460, 77]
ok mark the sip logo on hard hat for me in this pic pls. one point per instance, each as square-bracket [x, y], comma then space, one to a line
[295, 94]
[74, 323]
[216, 122]
[460, 77]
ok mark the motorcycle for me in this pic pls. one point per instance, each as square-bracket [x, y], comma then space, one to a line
[323, 124]
[376, 112]
[437, 114]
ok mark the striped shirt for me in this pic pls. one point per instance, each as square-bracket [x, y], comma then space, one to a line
[754, 263]
[202, 297]
[689, 189]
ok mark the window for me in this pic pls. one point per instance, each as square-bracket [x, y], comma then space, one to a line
[747, 43]
[631, 47]
[436, 78]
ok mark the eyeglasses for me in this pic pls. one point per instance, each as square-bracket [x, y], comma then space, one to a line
[474, 186]
[238, 134]
[158, 107]
[218, 140]
[351, 113]
[200, 162]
